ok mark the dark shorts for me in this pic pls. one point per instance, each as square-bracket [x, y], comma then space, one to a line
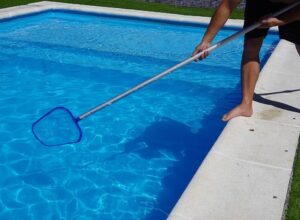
[256, 9]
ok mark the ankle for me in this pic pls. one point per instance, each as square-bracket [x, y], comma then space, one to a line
[246, 104]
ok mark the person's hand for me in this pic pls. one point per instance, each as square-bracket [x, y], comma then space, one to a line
[202, 46]
[271, 22]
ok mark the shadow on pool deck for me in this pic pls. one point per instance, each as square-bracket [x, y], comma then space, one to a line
[259, 98]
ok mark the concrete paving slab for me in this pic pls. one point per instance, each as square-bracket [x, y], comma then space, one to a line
[278, 87]
[285, 59]
[259, 142]
[228, 188]
[283, 82]
[283, 64]
[134, 13]
[276, 114]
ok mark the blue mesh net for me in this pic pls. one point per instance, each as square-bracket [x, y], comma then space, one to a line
[57, 127]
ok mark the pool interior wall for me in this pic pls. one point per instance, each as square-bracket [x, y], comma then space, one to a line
[138, 155]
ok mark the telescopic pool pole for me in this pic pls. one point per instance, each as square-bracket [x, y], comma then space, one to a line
[170, 70]
[61, 122]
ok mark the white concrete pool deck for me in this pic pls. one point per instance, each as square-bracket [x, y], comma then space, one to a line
[247, 172]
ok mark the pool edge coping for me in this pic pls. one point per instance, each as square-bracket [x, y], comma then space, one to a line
[233, 162]
[46, 5]
[180, 211]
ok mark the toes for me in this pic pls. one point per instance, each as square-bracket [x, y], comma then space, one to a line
[225, 119]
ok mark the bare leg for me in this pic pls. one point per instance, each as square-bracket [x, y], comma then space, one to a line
[249, 75]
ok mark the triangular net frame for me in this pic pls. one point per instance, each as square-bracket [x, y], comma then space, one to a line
[57, 127]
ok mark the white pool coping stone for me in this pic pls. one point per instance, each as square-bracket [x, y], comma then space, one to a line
[247, 172]
[45, 5]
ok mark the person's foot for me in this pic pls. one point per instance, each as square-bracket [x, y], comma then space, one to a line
[240, 110]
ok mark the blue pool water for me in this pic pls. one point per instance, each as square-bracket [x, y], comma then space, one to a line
[138, 155]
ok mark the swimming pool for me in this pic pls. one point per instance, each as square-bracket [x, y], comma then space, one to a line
[138, 155]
